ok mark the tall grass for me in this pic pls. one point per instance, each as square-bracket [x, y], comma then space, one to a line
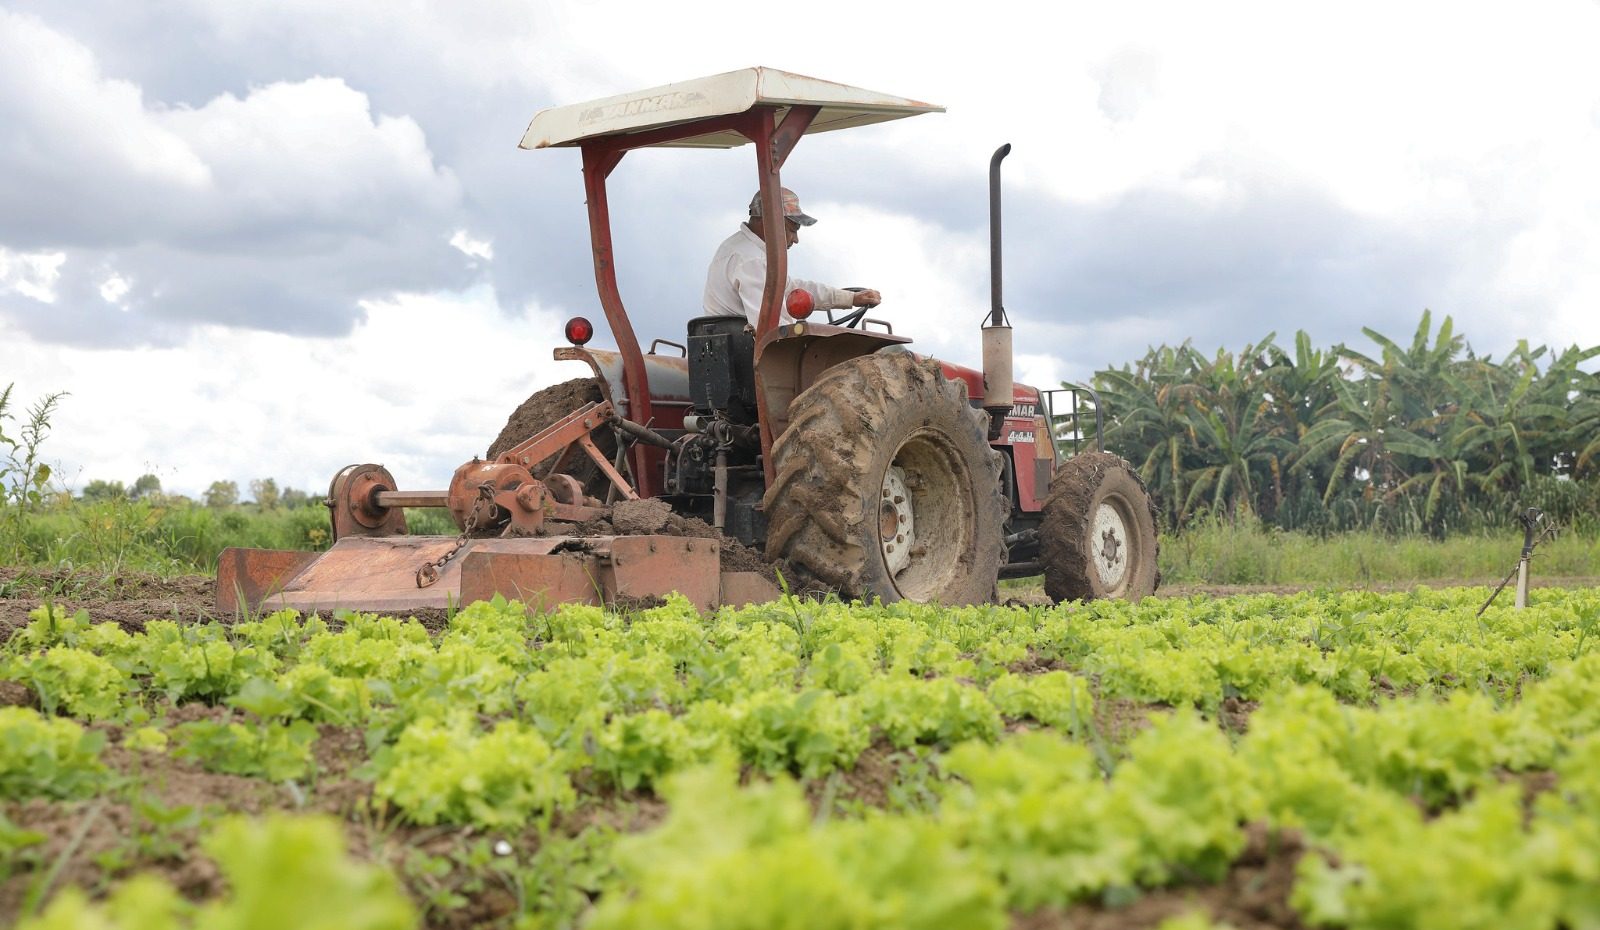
[119, 535]
[113, 537]
[1215, 552]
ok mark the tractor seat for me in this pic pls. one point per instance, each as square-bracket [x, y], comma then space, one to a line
[722, 376]
[709, 325]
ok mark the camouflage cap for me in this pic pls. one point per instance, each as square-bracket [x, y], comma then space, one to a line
[791, 207]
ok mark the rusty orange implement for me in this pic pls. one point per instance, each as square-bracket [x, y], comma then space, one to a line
[504, 547]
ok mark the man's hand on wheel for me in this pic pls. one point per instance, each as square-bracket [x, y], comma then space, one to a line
[866, 298]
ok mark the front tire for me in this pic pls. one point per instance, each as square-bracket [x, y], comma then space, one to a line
[886, 485]
[1097, 538]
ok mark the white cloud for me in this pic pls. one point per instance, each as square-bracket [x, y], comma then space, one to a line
[311, 151]
[410, 388]
[474, 248]
[280, 208]
[31, 274]
[114, 290]
[53, 93]
[1041, 370]
[935, 283]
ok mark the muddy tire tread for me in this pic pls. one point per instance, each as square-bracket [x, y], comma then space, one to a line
[817, 503]
[1063, 531]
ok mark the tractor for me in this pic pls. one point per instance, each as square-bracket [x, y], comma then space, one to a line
[832, 447]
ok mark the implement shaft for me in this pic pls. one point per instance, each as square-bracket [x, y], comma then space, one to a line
[412, 498]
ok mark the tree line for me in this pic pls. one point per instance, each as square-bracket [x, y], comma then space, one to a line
[264, 493]
[26, 479]
[1430, 437]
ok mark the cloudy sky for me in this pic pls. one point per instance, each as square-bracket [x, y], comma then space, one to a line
[268, 239]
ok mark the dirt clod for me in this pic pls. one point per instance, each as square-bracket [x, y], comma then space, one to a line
[543, 408]
[640, 517]
[655, 518]
[15, 694]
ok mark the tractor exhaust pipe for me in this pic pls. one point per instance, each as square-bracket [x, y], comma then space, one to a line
[998, 391]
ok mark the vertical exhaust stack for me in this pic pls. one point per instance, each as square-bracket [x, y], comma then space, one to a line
[997, 382]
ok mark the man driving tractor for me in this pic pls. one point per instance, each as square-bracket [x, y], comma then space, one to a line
[738, 271]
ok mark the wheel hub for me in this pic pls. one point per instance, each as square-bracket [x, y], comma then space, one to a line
[1108, 539]
[896, 524]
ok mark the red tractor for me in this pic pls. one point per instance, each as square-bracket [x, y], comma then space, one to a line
[831, 446]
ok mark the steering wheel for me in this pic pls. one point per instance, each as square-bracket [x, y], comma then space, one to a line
[854, 317]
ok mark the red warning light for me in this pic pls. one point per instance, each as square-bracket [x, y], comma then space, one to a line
[799, 303]
[579, 331]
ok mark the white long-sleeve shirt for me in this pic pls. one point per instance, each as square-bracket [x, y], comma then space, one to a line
[738, 273]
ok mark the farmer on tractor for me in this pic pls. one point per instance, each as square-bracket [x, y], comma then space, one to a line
[866, 468]
[738, 271]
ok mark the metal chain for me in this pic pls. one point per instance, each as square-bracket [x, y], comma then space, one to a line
[429, 572]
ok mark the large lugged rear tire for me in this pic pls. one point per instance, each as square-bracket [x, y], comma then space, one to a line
[547, 406]
[1097, 538]
[886, 486]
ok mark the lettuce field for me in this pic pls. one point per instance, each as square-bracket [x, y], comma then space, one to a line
[1348, 759]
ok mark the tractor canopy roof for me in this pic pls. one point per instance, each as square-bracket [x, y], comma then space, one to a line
[709, 98]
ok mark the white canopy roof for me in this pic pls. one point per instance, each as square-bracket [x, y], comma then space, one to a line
[718, 95]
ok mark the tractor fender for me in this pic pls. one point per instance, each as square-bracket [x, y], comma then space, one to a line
[791, 357]
[668, 377]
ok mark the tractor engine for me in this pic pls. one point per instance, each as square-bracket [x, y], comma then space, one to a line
[720, 449]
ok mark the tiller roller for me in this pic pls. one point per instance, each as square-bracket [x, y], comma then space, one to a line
[504, 546]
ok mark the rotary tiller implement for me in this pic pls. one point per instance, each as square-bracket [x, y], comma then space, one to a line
[503, 548]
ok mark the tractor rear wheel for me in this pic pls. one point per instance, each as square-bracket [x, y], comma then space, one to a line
[1097, 538]
[886, 485]
[545, 407]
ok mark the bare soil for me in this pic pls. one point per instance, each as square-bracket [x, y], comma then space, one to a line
[1234, 714]
[98, 840]
[1253, 895]
[129, 600]
[655, 518]
[1118, 720]
[872, 782]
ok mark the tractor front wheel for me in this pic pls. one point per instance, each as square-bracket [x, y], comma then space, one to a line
[1097, 538]
[886, 485]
